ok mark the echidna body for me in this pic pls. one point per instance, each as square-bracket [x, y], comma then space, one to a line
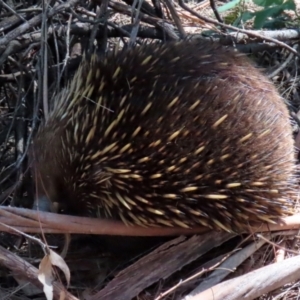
[177, 134]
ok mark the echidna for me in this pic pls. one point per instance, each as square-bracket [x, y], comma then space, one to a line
[175, 134]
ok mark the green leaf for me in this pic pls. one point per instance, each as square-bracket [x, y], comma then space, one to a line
[247, 15]
[272, 12]
[289, 5]
[277, 23]
[262, 16]
[230, 5]
[267, 3]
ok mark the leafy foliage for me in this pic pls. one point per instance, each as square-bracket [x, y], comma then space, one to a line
[272, 15]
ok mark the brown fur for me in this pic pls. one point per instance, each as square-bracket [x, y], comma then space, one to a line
[221, 163]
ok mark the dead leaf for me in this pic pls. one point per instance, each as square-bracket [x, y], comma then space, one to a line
[59, 262]
[46, 277]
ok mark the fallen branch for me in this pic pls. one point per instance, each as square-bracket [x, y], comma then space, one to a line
[27, 220]
[255, 283]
